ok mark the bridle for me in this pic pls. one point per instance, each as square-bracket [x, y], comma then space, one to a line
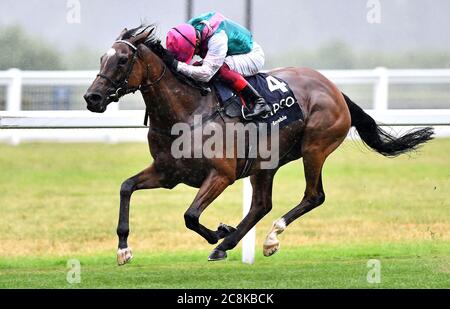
[121, 88]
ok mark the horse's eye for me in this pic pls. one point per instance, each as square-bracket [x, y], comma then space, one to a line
[123, 60]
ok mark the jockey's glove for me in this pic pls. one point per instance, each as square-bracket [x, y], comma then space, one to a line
[170, 61]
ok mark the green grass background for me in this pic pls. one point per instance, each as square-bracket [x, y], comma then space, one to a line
[60, 201]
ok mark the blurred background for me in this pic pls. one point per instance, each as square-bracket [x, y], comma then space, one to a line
[69, 36]
[48, 34]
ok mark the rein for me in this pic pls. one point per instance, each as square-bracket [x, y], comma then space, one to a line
[149, 84]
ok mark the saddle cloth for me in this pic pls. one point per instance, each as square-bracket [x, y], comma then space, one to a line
[275, 91]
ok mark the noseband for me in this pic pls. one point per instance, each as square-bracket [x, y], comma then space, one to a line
[121, 88]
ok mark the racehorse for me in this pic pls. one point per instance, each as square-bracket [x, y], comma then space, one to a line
[134, 62]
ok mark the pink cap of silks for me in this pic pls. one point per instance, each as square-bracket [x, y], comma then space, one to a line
[181, 42]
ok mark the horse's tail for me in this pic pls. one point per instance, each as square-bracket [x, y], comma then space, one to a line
[380, 140]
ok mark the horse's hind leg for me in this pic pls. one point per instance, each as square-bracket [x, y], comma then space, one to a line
[261, 205]
[313, 160]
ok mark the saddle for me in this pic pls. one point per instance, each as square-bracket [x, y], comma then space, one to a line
[282, 101]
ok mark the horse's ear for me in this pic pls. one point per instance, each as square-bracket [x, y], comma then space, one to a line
[122, 33]
[142, 35]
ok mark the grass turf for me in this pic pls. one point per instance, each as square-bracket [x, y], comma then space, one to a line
[60, 201]
[423, 265]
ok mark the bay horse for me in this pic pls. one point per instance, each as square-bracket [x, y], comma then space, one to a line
[134, 62]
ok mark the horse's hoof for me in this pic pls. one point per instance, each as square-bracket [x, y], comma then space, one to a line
[124, 256]
[224, 230]
[217, 255]
[269, 250]
[271, 243]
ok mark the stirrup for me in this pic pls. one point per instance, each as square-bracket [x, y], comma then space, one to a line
[243, 113]
[263, 114]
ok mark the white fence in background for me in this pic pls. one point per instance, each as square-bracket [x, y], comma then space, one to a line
[380, 80]
[16, 117]
[17, 124]
[383, 88]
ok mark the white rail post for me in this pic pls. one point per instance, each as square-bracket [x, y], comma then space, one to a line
[14, 92]
[248, 242]
[111, 138]
[381, 91]
[14, 98]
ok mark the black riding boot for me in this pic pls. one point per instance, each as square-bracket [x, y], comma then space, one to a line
[254, 99]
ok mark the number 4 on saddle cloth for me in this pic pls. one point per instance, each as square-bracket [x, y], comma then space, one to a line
[276, 92]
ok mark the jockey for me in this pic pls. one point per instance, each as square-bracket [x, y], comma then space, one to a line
[226, 48]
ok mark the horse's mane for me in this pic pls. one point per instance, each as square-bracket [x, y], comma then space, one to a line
[154, 43]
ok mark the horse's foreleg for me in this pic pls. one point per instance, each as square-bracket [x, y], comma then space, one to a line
[261, 205]
[147, 179]
[211, 188]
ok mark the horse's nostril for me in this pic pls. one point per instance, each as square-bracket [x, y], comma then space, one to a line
[93, 98]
